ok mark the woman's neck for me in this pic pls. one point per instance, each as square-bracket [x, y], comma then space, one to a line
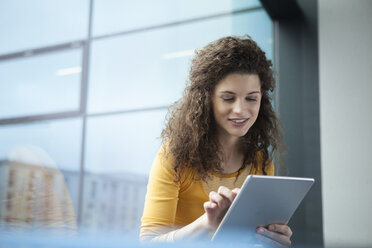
[232, 157]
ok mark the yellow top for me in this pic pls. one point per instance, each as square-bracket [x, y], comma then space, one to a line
[170, 205]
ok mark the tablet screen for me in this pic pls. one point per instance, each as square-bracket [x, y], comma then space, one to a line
[262, 200]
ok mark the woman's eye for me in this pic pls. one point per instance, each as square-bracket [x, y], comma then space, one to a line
[228, 99]
[251, 99]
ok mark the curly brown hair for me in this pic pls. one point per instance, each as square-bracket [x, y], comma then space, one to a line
[190, 130]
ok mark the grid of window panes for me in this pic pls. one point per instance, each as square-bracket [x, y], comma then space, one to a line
[84, 90]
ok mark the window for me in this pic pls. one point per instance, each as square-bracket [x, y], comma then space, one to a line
[149, 69]
[113, 16]
[40, 84]
[31, 149]
[32, 24]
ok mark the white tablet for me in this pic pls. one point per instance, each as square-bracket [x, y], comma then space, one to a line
[262, 200]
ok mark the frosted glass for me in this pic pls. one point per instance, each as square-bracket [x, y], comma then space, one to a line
[111, 16]
[149, 69]
[51, 144]
[125, 143]
[120, 150]
[40, 84]
[32, 24]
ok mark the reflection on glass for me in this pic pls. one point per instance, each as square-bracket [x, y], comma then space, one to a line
[111, 16]
[33, 196]
[149, 69]
[33, 24]
[119, 154]
[40, 84]
[39, 170]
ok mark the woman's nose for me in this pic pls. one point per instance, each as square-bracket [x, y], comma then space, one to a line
[238, 106]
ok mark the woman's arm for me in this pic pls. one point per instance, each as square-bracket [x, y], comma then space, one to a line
[203, 227]
[215, 209]
[161, 206]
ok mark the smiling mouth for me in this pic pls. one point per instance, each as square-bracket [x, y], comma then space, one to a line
[238, 122]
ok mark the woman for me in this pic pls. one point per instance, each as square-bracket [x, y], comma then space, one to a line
[216, 135]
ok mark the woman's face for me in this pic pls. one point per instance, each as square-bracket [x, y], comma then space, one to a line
[236, 102]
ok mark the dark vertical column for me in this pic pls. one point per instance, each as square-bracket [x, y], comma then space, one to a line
[291, 114]
[311, 120]
[298, 102]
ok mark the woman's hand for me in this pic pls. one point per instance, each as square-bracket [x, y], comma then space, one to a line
[218, 204]
[278, 235]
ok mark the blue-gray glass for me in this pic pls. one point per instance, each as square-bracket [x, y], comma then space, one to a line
[39, 170]
[119, 153]
[40, 84]
[32, 24]
[123, 143]
[113, 16]
[149, 68]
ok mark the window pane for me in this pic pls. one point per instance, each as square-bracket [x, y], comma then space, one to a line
[40, 84]
[111, 16]
[149, 69]
[39, 170]
[119, 154]
[125, 143]
[32, 24]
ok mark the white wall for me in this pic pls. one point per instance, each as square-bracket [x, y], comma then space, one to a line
[345, 71]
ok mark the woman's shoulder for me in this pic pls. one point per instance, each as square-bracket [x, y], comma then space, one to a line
[163, 159]
[164, 163]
